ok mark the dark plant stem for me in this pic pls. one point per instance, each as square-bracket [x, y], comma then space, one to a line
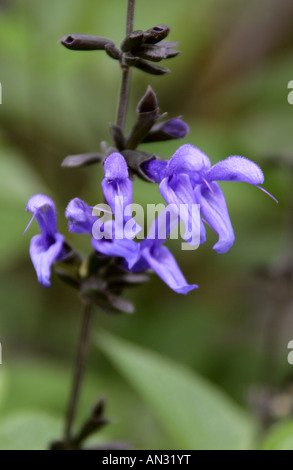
[78, 372]
[86, 323]
[126, 73]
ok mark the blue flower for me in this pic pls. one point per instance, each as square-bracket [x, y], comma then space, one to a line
[175, 128]
[80, 218]
[48, 247]
[118, 247]
[117, 189]
[155, 256]
[188, 178]
[172, 129]
[116, 184]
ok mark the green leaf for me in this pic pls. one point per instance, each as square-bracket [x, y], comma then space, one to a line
[3, 384]
[18, 180]
[280, 437]
[193, 412]
[29, 431]
[43, 386]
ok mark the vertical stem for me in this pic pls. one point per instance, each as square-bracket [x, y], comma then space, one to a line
[78, 372]
[126, 73]
[130, 16]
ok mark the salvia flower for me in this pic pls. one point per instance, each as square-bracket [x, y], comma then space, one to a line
[48, 247]
[189, 178]
[110, 245]
[155, 256]
[117, 189]
[116, 183]
[80, 218]
[171, 129]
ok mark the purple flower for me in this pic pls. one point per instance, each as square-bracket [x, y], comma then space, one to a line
[80, 218]
[48, 247]
[116, 183]
[155, 169]
[172, 129]
[155, 256]
[188, 178]
[117, 189]
[176, 128]
[119, 247]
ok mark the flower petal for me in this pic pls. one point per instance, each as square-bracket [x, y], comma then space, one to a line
[120, 248]
[118, 194]
[236, 169]
[176, 128]
[188, 159]
[213, 208]
[43, 256]
[44, 209]
[178, 190]
[126, 249]
[165, 266]
[116, 167]
[79, 215]
[162, 226]
[155, 169]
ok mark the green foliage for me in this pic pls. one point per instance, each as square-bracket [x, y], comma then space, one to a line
[280, 437]
[193, 412]
[43, 388]
[3, 387]
[28, 431]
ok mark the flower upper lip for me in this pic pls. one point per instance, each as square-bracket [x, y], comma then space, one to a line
[47, 247]
[199, 186]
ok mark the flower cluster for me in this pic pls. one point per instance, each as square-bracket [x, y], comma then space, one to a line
[120, 256]
[139, 49]
[186, 179]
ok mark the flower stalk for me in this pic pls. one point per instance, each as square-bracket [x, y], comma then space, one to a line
[126, 73]
[78, 373]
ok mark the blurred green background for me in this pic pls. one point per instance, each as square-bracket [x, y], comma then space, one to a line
[230, 85]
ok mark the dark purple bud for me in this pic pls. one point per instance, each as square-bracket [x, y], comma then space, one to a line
[137, 161]
[148, 113]
[84, 159]
[168, 130]
[149, 103]
[154, 169]
[113, 51]
[156, 53]
[85, 42]
[156, 34]
[96, 421]
[169, 44]
[145, 66]
[132, 41]
[176, 128]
